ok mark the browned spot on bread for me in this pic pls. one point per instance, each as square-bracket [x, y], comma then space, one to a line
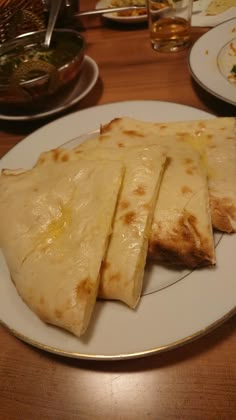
[56, 154]
[209, 136]
[124, 204]
[166, 255]
[189, 171]
[192, 221]
[129, 217]
[147, 206]
[140, 190]
[105, 265]
[42, 301]
[183, 134]
[211, 146]
[16, 173]
[107, 127]
[79, 151]
[58, 313]
[190, 168]
[222, 212]
[161, 126]
[65, 157]
[41, 160]
[121, 145]
[186, 190]
[188, 161]
[41, 314]
[181, 139]
[103, 137]
[44, 248]
[84, 288]
[133, 133]
[183, 247]
[202, 124]
[35, 189]
[114, 277]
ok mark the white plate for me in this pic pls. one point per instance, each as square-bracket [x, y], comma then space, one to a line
[200, 18]
[122, 19]
[167, 316]
[86, 81]
[210, 57]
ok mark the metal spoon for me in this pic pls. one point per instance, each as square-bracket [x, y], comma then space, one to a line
[53, 13]
[108, 10]
[115, 10]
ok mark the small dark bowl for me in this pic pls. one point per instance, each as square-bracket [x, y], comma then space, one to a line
[33, 78]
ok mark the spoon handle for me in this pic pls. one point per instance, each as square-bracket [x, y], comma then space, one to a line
[54, 10]
[108, 10]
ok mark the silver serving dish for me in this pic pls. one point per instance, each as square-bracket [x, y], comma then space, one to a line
[33, 77]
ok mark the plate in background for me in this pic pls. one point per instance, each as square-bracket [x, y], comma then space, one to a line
[122, 19]
[200, 18]
[210, 60]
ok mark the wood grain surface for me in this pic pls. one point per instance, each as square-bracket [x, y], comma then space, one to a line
[196, 381]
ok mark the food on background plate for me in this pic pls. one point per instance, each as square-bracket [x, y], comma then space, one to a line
[232, 76]
[232, 57]
[55, 223]
[135, 12]
[123, 266]
[214, 139]
[215, 7]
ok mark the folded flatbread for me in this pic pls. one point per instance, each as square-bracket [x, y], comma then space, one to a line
[55, 224]
[181, 232]
[214, 138]
[123, 266]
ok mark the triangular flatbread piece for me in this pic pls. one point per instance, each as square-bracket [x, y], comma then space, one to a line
[55, 223]
[214, 138]
[123, 267]
[181, 232]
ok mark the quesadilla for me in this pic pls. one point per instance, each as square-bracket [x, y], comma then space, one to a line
[123, 266]
[55, 223]
[214, 139]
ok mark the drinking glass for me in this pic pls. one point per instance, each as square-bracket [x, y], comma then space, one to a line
[169, 24]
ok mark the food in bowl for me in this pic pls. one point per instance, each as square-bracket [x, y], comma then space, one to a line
[33, 76]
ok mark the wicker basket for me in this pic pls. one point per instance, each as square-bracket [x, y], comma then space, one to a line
[20, 16]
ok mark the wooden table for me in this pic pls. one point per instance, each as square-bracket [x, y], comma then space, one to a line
[196, 381]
